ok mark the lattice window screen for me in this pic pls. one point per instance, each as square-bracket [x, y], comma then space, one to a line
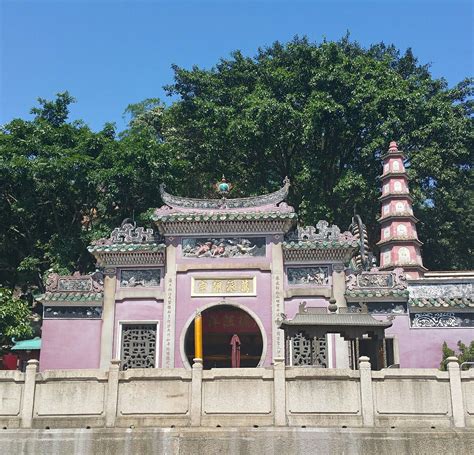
[138, 346]
[308, 351]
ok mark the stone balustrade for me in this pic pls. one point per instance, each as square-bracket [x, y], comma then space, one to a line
[278, 396]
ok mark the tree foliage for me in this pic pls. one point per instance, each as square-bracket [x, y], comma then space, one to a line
[320, 114]
[465, 354]
[14, 318]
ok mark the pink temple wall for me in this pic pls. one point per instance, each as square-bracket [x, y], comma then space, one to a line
[421, 348]
[186, 305]
[292, 305]
[70, 344]
[138, 310]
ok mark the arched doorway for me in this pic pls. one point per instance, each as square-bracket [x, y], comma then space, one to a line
[220, 324]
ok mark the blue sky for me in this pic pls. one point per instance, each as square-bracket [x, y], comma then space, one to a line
[109, 53]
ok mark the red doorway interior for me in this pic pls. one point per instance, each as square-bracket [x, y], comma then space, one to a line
[220, 324]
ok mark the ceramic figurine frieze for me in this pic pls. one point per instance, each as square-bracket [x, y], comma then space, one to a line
[140, 278]
[223, 247]
[322, 232]
[316, 276]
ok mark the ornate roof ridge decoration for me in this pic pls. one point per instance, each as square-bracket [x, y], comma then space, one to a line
[76, 283]
[74, 288]
[377, 279]
[125, 248]
[224, 203]
[128, 233]
[323, 232]
[239, 216]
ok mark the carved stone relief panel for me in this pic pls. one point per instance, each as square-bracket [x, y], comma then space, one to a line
[138, 346]
[140, 278]
[446, 291]
[317, 276]
[72, 312]
[378, 307]
[223, 247]
[446, 320]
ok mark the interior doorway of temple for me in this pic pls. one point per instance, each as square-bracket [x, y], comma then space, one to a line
[231, 338]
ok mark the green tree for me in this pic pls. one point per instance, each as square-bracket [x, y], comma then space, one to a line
[465, 354]
[46, 193]
[323, 114]
[14, 318]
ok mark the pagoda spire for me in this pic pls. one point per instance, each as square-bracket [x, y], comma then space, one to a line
[399, 244]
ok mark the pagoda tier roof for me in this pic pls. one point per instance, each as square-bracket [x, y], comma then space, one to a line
[392, 153]
[397, 195]
[270, 204]
[393, 174]
[406, 266]
[398, 215]
[400, 239]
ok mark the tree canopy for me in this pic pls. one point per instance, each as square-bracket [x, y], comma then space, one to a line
[320, 114]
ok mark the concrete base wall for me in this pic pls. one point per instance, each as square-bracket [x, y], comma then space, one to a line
[288, 441]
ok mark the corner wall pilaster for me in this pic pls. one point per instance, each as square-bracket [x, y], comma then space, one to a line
[108, 317]
[169, 309]
[339, 284]
[278, 337]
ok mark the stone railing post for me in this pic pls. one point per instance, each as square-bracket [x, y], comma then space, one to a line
[196, 393]
[112, 393]
[28, 401]
[366, 394]
[279, 392]
[457, 403]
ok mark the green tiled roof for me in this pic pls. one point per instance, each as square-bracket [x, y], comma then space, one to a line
[378, 293]
[324, 244]
[441, 302]
[240, 216]
[71, 297]
[126, 247]
[27, 345]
